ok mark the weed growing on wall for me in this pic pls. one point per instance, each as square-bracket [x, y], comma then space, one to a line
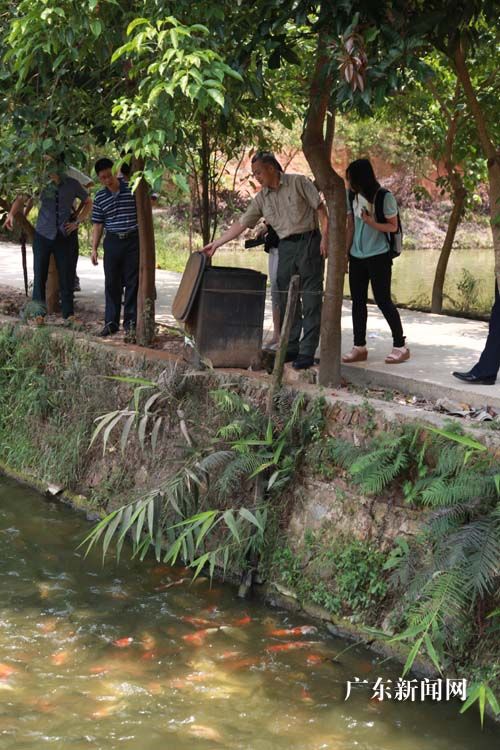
[345, 576]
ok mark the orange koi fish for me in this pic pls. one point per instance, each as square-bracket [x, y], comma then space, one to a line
[166, 586]
[6, 671]
[198, 622]
[302, 630]
[289, 646]
[229, 655]
[250, 661]
[198, 638]
[123, 642]
[242, 621]
[305, 696]
[314, 659]
[59, 658]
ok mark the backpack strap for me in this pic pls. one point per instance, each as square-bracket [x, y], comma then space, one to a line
[378, 205]
[351, 196]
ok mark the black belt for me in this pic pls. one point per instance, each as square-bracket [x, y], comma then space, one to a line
[300, 236]
[123, 235]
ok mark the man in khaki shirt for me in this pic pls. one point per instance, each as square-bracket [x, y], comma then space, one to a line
[291, 204]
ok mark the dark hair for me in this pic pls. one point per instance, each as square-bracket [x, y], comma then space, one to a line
[362, 178]
[125, 169]
[267, 157]
[102, 164]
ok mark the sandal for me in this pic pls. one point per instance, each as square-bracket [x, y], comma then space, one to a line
[397, 356]
[357, 354]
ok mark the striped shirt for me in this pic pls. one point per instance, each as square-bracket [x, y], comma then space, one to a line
[117, 211]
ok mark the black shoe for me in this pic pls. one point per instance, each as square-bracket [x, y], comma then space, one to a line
[77, 287]
[469, 377]
[302, 362]
[108, 330]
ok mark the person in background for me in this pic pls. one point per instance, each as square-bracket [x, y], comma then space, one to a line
[268, 237]
[86, 182]
[54, 232]
[485, 371]
[115, 213]
[291, 204]
[370, 261]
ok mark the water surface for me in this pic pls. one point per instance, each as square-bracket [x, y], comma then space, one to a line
[134, 656]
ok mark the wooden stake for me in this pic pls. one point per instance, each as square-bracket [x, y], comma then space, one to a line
[147, 262]
[279, 362]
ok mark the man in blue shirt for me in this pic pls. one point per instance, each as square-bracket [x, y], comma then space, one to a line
[55, 232]
[115, 211]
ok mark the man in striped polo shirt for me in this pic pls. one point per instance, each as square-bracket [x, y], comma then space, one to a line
[115, 211]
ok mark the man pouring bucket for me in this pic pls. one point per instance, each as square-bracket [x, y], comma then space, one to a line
[292, 205]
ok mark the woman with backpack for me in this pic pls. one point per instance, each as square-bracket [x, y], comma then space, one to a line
[372, 216]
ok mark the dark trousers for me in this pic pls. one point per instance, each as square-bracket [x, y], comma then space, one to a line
[121, 269]
[61, 247]
[302, 257]
[376, 270]
[75, 252]
[489, 361]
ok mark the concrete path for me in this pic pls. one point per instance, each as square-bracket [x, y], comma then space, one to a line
[439, 344]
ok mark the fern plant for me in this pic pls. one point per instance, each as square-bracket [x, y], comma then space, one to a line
[453, 568]
[176, 518]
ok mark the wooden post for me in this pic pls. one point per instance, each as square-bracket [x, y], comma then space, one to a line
[52, 288]
[147, 261]
[279, 362]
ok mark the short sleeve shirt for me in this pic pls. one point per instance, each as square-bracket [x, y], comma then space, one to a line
[117, 211]
[368, 241]
[290, 208]
[56, 206]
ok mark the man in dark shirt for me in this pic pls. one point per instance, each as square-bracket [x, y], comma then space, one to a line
[54, 233]
[115, 211]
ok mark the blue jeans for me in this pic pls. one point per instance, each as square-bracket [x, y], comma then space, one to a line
[63, 249]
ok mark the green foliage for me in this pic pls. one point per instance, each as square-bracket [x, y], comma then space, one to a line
[451, 569]
[42, 390]
[467, 291]
[248, 453]
[344, 576]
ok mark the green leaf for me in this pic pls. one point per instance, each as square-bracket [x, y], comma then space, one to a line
[96, 28]
[432, 652]
[217, 96]
[208, 523]
[412, 656]
[230, 521]
[249, 516]
[155, 432]
[110, 532]
[462, 439]
[135, 23]
[126, 430]
[103, 421]
[200, 563]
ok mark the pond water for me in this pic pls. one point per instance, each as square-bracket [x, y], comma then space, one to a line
[469, 280]
[134, 656]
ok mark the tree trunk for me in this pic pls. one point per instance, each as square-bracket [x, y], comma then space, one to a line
[52, 288]
[444, 255]
[459, 195]
[490, 152]
[147, 262]
[205, 183]
[317, 150]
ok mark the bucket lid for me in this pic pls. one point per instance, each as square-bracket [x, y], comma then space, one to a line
[188, 287]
